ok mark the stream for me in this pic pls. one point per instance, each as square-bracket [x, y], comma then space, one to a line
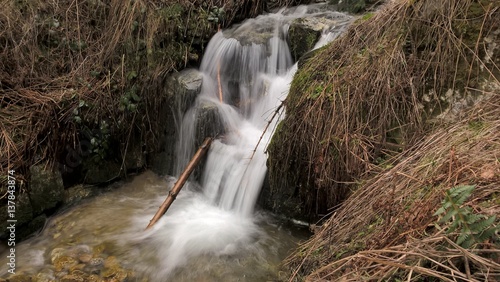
[212, 231]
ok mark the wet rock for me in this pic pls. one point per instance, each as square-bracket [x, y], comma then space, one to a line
[33, 226]
[46, 275]
[302, 36]
[353, 6]
[85, 258]
[102, 172]
[72, 278]
[184, 87]
[75, 194]
[305, 32]
[56, 253]
[64, 263]
[93, 277]
[135, 158]
[24, 214]
[20, 278]
[182, 90]
[208, 122]
[96, 262]
[46, 188]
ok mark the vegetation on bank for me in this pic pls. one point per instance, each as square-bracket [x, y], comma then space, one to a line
[95, 71]
[378, 136]
[375, 91]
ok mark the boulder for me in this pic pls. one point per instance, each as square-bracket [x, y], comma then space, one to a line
[305, 32]
[353, 6]
[75, 194]
[208, 122]
[46, 188]
[303, 35]
[24, 214]
[33, 226]
[134, 157]
[181, 91]
[102, 172]
[183, 88]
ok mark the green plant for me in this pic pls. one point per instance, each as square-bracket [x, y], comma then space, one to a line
[474, 228]
[130, 100]
[100, 142]
[216, 15]
[77, 112]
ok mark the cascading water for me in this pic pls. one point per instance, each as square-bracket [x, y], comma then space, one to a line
[246, 79]
[211, 231]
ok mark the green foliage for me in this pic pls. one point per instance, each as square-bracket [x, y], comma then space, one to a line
[100, 142]
[77, 112]
[216, 15]
[130, 99]
[474, 228]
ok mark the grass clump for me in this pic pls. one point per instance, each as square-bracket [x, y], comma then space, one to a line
[67, 68]
[389, 229]
[375, 90]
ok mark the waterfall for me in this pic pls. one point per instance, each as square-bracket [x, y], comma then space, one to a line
[252, 66]
[247, 72]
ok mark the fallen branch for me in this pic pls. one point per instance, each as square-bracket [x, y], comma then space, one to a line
[218, 82]
[180, 182]
[265, 129]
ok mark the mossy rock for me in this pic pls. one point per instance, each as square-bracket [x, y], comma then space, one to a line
[352, 6]
[102, 172]
[303, 35]
[46, 188]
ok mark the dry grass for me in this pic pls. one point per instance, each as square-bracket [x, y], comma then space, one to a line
[372, 92]
[59, 57]
[362, 143]
[386, 228]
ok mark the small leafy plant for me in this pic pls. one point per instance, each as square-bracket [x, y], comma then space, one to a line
[216, 15]
[474, 228]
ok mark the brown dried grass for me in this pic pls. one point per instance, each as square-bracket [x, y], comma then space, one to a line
[55, 54]
[362, 99]
[386, 228]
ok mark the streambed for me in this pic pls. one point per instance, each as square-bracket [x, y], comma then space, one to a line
[104, 238]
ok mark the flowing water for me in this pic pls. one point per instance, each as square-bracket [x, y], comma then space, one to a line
[211, 232]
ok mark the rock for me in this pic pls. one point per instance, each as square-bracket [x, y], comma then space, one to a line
[285, 201]
[46, 188]
[85, 258]
[208, 122]
[24, 214]
[102, 172]
[304, 33]
[72, 278]
[354, 6]
[45, 275]
[302, 36]
[56, 253]
[96, 262]
[182, 90]
[64, 263]
[20, 278]
[134, 158]
[33, 226]
[75, 194]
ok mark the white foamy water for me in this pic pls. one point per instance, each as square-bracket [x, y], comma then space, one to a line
[211, 232]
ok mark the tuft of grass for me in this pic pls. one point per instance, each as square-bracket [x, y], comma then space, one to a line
[374, 91]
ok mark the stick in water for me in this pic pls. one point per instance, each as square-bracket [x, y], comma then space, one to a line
[180, 182]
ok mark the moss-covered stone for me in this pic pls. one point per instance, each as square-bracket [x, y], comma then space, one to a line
[102, 172]
[46, 188]
[75, 194]
[353, 6]
[303, 35]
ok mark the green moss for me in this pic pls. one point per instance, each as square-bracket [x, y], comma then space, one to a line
[476, 125]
